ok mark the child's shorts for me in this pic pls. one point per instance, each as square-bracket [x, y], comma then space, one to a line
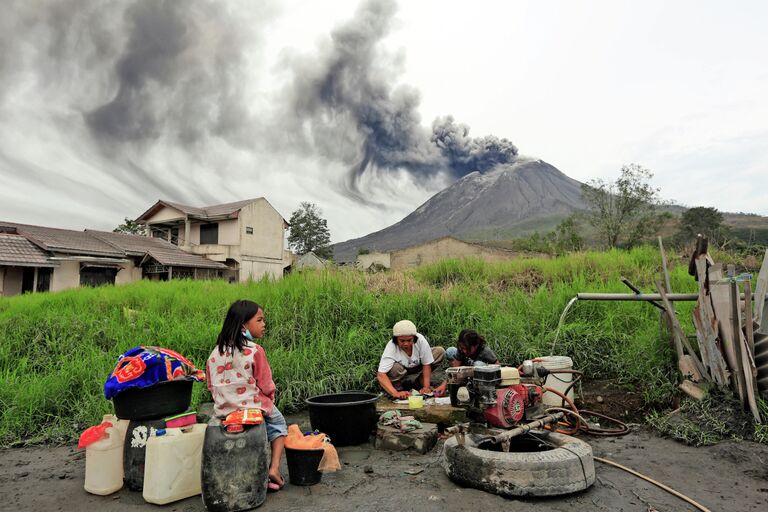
[276, 425]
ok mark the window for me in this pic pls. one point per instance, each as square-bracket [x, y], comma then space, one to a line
[97, 276]
[209, 234]
[44, 279]
[248, 230]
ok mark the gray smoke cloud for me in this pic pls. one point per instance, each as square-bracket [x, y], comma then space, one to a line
[349, 93]
[180, 75]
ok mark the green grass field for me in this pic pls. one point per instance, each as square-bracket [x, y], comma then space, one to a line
[326, 330]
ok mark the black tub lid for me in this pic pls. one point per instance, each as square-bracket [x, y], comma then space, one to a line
[371, 398]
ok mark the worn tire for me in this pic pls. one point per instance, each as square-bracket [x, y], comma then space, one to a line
[562, 470]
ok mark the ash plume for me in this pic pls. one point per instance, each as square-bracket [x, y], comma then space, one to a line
[349, 94]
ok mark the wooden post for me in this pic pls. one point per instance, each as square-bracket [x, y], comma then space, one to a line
[689, 364]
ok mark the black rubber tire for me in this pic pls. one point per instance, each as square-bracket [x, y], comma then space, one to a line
[562, 470]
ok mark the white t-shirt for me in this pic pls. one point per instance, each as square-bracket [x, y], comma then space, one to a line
[422, 355]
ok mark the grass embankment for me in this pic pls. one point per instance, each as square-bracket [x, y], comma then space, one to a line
[326, 330]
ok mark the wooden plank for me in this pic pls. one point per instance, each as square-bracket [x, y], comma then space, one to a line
[748, 318]
[706, 330]
[719, 291]
[664, 266]
[760, 292]
[689, 364]
[742, 353]
[693, 390]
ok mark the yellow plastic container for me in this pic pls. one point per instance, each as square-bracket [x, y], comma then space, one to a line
[104, 464]
[415, 402]
[172, 469]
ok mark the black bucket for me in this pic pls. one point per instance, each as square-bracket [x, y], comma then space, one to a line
[156, 401]
[348, 418]
[302, 466]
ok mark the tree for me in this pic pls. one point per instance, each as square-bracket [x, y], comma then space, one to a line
[702, 220]
[309, 231]
[624, 211]
[131, 227]
[567, 237]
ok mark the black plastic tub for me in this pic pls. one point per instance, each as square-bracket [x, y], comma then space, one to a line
[156, 401]
[348, 418]
[302, 466]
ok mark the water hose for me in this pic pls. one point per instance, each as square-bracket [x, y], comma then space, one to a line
[581, 424]
[654, 482]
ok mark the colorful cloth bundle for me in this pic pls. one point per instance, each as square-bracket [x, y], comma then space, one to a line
[244, 417]
[141, 367]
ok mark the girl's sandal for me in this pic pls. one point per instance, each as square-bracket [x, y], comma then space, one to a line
[273, 486]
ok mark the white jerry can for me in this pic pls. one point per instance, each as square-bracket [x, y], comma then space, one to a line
[104, 464]
[172, 469]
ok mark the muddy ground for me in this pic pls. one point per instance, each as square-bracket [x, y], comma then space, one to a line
[727, 476]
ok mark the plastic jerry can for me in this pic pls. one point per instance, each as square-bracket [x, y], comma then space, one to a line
[235, 467]
[121, 425]
[172, 466]
[104, 464]
[134, 450]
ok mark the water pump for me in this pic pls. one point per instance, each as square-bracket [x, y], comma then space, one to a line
[494, 395]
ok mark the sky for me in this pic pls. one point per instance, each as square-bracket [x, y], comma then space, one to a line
[368, 108]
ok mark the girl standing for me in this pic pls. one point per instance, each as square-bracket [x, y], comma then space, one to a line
[239, 377]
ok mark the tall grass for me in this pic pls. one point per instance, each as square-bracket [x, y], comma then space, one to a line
[326, 330]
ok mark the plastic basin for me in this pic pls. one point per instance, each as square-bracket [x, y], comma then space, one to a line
[156, 401]
[348, 418]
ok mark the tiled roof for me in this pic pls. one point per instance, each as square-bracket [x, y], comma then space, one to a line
[15, 250]
[66, 240]
[204, 213]
[178, 258]
[164, 252]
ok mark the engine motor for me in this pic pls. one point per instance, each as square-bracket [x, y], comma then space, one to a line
[494, 394]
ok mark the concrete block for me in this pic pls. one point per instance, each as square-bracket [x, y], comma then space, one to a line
[421, 440]
[430, 413]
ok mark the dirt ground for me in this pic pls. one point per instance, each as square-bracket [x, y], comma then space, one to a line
[732, 476]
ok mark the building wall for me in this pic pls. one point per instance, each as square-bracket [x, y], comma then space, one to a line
[10, 281]
[229, 233]
[164, 214]
[128, 274]
[268, 233]
[364, 261]
[255, 270]
[66, 275]
[445, 248]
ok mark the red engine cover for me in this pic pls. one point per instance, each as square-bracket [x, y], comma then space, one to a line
[509, 408]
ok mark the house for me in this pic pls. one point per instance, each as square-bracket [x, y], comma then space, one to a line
[373, 261]
[310, 260]
[38, 259]
[246, 236]
[430, 252]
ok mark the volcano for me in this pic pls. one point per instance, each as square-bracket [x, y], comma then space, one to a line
[512, 199]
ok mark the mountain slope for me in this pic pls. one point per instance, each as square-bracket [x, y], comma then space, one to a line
[507, 200]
